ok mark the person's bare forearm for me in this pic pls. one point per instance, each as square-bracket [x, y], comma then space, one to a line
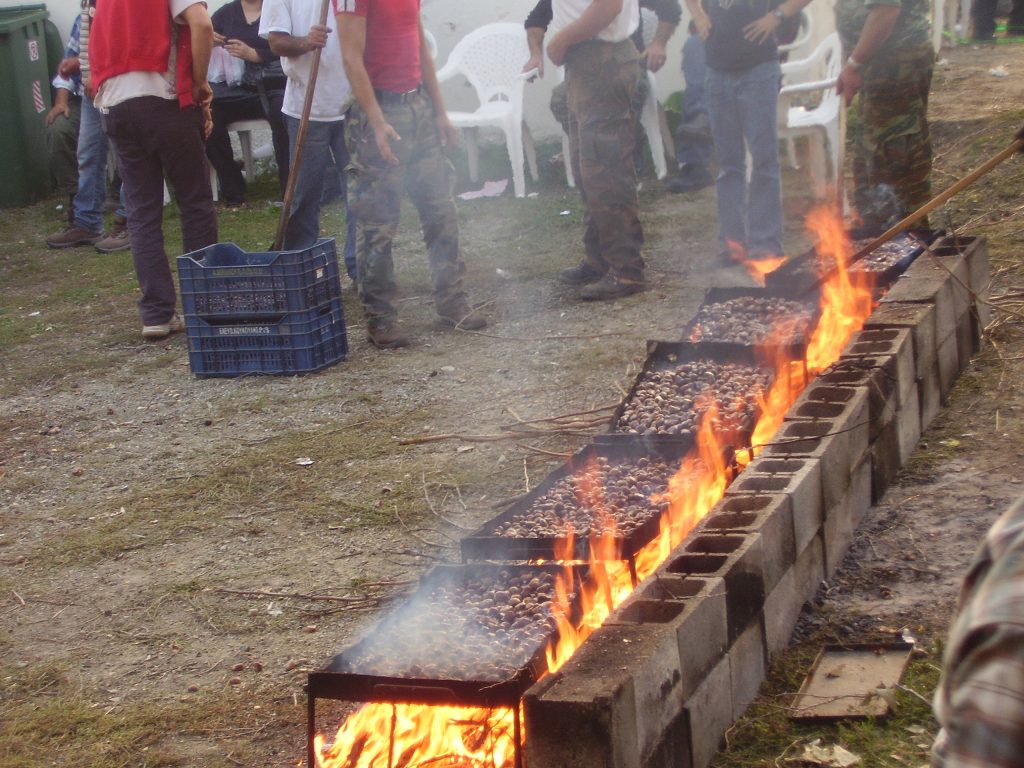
[429, 75]
[664, 33]
[535, 39]
[290, 46]
[877, 29]
[201, 27]
[352, 37]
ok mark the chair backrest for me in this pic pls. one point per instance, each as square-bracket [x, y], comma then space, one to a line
[815, 74]
[491, 58]
[803, 34]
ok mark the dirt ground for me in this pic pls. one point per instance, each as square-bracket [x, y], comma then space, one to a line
[176, 553]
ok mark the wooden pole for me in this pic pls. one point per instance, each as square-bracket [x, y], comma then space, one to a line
[300, 139]
[939, 199]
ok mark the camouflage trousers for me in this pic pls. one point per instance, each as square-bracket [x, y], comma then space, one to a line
[891, 140]
[602, 84]
[375, 197]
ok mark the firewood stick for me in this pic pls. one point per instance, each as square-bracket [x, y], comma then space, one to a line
[300, 139]
[939, 199]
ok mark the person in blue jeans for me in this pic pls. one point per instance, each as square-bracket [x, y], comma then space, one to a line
[742, 88]
[294, 32]
[693, 136]
[85, 214]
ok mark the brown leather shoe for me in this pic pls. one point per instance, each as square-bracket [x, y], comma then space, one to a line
[117, 240]
[461, 315]
[387, 336]
[73, 237]
[609, 287]
[581, 274]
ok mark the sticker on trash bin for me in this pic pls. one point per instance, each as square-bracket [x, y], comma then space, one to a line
[33, 50]
[37, 96]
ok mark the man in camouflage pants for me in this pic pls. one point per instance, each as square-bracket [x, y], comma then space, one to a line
[396, 133]
[603, 73]
[889, 62]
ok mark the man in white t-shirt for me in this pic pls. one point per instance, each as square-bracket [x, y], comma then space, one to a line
[294, 31]
[603, 73]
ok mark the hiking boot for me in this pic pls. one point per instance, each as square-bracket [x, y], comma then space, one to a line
[73, 237]
[461, 315]
[117, 240]
[163, 330]
[387, 336]
[581, 274]
[609, 287]
[690, 179]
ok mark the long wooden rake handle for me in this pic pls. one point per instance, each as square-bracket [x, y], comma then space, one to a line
[939, 199]
[300, 139]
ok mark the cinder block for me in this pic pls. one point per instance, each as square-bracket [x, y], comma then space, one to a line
[739, 562]
[929, 394]
[968, 341]
[842, 520]
[925, 282]
[879, 343]
[919, 319]
[748, 662]
[908, 419]
[979, 273]
[949, 365]
[952, 261]
[773, 523]
[885, 460]
[783, 605]
[799, 478]
[582, 716]
[710, 714]
[674, 749]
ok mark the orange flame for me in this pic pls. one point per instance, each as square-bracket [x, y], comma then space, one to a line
[756, 268]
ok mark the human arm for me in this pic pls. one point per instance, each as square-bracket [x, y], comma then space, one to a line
[877, 28]
[535, 39]
[761, 30]
[61, 100]
[285, 44]
[598, 15]
[669, 15]
[201, 28]
[701, 20]
[445, 130]
[352, 36]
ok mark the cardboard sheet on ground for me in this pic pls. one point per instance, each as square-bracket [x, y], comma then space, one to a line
[850, 682]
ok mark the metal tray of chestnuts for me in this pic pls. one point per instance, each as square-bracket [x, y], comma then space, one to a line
[615, 490]
[891, 259]
[470, 635]
[681, 382]
[755, 317]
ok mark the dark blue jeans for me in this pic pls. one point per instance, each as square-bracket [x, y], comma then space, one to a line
[323, 140]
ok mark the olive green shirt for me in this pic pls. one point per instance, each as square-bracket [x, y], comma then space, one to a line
[913, 27]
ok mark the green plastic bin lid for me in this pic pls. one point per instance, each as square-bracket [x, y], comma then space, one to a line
[20, 15]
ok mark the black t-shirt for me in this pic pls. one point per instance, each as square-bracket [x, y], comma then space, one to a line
[727, 49]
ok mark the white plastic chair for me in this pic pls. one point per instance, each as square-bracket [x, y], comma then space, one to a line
[822, 123]
[244, 129]
[804, 33]
[491, 59]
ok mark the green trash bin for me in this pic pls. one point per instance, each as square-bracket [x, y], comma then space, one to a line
[24, 102]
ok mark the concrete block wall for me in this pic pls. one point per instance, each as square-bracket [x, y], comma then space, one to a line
[663, 679]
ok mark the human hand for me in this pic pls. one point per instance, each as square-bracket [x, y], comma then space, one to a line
[763, 29]
[702, 23]
[446, 132]
[317, 36]
[240, 50]
[384, 134]
[849, 82]
[69, 66]
[56, 111]
[207, 121]
[536, 61]
[655, 56]
[557, 49]
[202, 94]
[218, 38]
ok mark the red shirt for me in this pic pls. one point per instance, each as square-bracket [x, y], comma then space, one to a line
[392, 54]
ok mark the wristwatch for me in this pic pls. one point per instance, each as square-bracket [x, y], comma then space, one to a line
[778, 14]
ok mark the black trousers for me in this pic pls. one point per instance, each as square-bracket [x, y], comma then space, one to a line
[241, 105]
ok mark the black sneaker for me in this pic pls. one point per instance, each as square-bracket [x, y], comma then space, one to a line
[609, 287]
[582, 274]
[690, 179]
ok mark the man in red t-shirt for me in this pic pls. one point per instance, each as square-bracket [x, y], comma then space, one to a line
[397, 131]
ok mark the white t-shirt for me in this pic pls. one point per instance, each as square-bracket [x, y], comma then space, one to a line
[565, 12]
[131, 85]
[331, 93]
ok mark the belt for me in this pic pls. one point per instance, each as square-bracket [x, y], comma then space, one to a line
[391, 98]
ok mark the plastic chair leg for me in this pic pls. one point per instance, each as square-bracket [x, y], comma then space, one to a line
[473, 153]
[514, 145]
[567, 159]
[245, 139]
[531, 151]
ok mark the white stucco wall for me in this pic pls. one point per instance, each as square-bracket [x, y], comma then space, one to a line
[449, 20]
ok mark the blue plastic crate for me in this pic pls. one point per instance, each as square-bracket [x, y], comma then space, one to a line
[298, 342]
[223, 280]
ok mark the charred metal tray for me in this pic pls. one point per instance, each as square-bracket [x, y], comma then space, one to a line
[489, 542]
[798, 336]
[423, 626]
[664, 355]
[883, 271]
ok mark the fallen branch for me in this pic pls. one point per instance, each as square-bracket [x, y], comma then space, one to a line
[290, 595]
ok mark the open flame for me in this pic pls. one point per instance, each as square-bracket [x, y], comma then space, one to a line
[401, 736]
[756, 268]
